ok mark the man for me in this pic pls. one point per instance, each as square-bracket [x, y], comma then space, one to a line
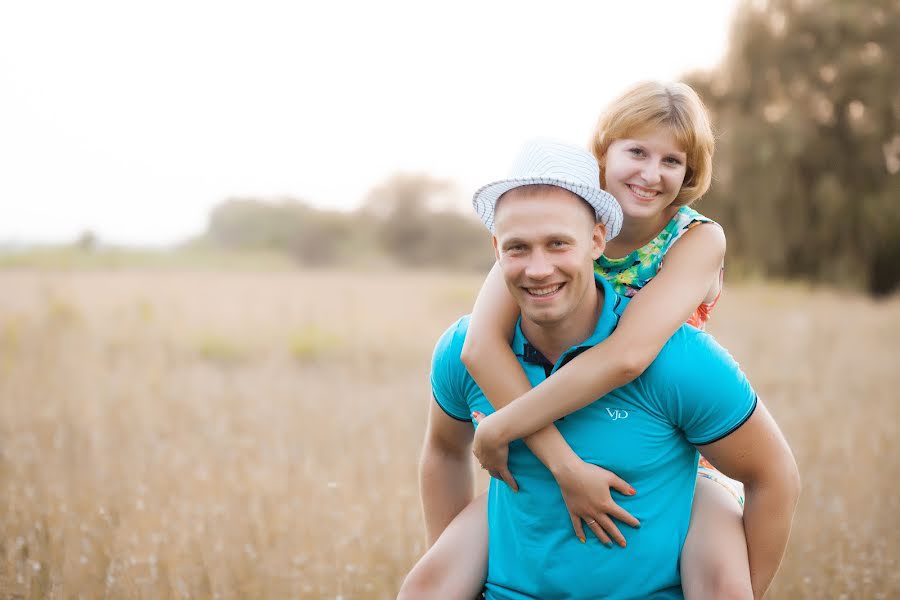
[550, 223]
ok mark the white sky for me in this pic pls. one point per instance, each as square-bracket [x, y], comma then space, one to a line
[134, 119]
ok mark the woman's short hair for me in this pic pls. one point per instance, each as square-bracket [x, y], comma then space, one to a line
[651, 105]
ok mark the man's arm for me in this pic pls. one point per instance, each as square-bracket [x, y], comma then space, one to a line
[758, 455]
[445, 471]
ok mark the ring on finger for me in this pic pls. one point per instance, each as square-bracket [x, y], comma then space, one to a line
[591, 522]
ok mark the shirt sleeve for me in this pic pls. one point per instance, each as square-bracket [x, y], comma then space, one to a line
[448, 373]
[701, 387]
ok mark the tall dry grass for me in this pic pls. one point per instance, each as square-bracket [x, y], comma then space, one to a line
[212, 435]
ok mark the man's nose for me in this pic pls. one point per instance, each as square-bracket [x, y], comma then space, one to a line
[539, 267]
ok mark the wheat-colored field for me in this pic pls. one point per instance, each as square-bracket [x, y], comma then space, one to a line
[178, 434]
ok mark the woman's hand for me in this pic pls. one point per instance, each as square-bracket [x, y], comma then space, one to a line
[586, 491]
[491, 452]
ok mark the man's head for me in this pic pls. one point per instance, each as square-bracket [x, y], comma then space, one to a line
[546, 239]
[550, 221]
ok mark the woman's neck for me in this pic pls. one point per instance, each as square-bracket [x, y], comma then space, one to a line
[637, 233]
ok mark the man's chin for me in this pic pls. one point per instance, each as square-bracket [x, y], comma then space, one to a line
[542, 317]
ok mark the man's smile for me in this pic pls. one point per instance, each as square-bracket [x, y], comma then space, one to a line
[543, 292]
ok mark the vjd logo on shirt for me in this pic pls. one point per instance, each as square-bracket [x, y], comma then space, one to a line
[617, 413]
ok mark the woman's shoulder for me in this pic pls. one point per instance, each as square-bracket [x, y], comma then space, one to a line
[685, 219]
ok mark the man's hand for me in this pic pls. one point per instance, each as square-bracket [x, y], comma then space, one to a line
[491, 453]
[586, 491]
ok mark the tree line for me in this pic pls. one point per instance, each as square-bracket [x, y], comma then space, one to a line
[407, 220]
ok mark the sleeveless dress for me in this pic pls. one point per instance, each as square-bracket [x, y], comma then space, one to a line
[629, 274]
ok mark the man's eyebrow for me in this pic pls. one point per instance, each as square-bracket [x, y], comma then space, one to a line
[513, 241]
[544, 239]
[565, 237]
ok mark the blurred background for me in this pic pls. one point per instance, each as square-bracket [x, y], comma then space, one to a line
[231, 233]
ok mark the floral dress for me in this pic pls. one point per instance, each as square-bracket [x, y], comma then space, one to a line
[629, 274]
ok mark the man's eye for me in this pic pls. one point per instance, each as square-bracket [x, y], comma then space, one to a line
[557, 244]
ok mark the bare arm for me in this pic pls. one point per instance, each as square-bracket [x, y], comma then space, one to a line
[486, 351]
[758, 455]
[446, 480]
[691, 268]
[488, 358]
[496, 370]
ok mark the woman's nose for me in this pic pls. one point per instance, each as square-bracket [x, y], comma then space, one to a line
[650, 173]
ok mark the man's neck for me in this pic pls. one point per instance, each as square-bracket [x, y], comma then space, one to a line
[553, 340]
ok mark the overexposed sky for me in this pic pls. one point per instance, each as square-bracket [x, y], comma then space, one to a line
[134, 119]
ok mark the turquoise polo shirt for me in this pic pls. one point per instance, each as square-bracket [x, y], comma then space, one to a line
[694, 393]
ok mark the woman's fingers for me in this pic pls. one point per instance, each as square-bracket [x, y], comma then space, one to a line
[623, 515]
[612, 530]
[598, 531]
[576, 525]
[620, 485]
[506, 476]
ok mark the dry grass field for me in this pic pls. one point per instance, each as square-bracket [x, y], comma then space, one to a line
[183, 434]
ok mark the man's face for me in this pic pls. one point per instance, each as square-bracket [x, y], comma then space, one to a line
[546, 241]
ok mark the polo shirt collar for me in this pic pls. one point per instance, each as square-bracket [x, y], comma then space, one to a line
[606, 323]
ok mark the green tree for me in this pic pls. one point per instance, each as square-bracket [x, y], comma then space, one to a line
[806, 105]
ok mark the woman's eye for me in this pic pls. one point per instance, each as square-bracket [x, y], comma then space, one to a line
[673, 161]
[636, 151]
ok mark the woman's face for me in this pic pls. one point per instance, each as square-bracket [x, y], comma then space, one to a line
[645, 173]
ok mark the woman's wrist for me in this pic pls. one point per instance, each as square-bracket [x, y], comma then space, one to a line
[562, 463]
[492, 429]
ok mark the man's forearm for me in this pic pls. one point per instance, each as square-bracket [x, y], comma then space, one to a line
[446, 486]
[768, 512]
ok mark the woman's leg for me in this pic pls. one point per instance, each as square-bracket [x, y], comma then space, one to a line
[455, 567]
[714, 561]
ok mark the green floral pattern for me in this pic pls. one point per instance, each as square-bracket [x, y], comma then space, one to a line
[632, 272]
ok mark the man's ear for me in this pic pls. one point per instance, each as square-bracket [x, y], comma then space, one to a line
[496, 247]
[598, 240]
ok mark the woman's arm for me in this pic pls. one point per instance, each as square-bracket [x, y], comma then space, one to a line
[487, 356]
[496, 370]
[691, 268]
[486, 352]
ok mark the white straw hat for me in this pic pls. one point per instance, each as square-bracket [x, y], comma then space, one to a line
[553, 162]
